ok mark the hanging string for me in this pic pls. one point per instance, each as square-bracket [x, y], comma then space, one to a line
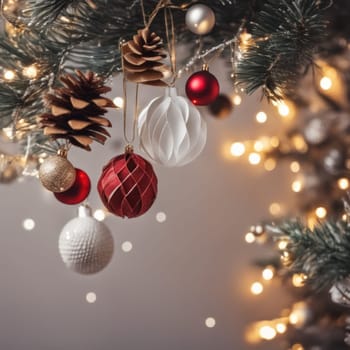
[171, 41]
[143, 13]
[136, 106]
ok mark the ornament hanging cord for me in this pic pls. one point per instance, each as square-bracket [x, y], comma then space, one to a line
[170, 35]
[134, 123]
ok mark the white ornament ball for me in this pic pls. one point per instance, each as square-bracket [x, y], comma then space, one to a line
[200, 19]
[85, 244]
[172, 131]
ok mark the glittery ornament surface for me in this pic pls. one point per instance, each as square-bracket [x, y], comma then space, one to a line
[57, 174]
[128, 185]
[85, 244]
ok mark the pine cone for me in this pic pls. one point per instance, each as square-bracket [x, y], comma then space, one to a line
[77, 109]
[142, 59]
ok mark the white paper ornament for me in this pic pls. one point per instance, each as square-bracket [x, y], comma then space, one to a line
[172, 131]
[85, 244]
[340, 292]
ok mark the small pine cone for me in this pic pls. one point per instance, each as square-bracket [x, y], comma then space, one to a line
[142, 58]
[77, 109]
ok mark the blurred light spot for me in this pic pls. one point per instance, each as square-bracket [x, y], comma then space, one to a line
[281, 328]
[283, 109]
[119, 102]
[91, 297]
[256, 288]
[268, 273]
[28, 224]
[30, 72]
[258, 146]
[237, 149]
[297, 347]
[254, 158]
[275, 209]
[267, 332]
[161, 217]
[261, 117]
[274, 141]
[343, 183]
[127, 247]
[99, 214]
[282, 244]
[295, 167]
[326, 83]
[297, 186]
[250, 237]
[210, 322]
[298, 280]
[237, 100]
[9, 74]
[321, 212]
[270, 164]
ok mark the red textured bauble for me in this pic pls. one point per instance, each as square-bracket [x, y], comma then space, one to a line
[78, 192]
[128, 185]
[202, 88]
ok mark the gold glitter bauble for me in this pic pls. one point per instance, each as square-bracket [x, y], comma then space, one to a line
[57, 174]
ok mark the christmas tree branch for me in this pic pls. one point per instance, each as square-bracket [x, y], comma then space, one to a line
[322, 253]
[285, 35]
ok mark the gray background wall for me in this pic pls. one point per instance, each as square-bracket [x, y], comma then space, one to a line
[193, 266]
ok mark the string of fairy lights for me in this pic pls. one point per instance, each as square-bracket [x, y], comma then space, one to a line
[265, 151]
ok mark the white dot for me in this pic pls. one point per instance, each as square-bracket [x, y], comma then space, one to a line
[326, 83]
[9, 75]
[119, 102]
[99, 215]
[28, 224]
[210, 322]
[161, 217]
[91, 297]
[237, 149]
[127, 247]
[261, 117]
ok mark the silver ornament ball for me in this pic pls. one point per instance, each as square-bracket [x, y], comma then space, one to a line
[316, 131]
[340, 292]
[200, 19]
[86, 245]
[57, 174]
[334, 161]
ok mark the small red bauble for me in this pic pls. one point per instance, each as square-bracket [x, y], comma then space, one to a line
[78, 192]
[202, 88]
[128, 185]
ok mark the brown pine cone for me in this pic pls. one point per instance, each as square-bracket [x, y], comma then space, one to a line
[77, 109]
[142, 58]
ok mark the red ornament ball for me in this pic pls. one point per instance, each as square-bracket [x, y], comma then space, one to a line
[202, 88]
[128, 185]
[78, 192]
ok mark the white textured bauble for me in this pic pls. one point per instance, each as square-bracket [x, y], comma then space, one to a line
[172, 131]
[86, 244]
[340, 292]
[200, 19]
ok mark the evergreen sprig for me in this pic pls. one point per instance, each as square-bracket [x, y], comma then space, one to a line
[322, 253]
[285, 36]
